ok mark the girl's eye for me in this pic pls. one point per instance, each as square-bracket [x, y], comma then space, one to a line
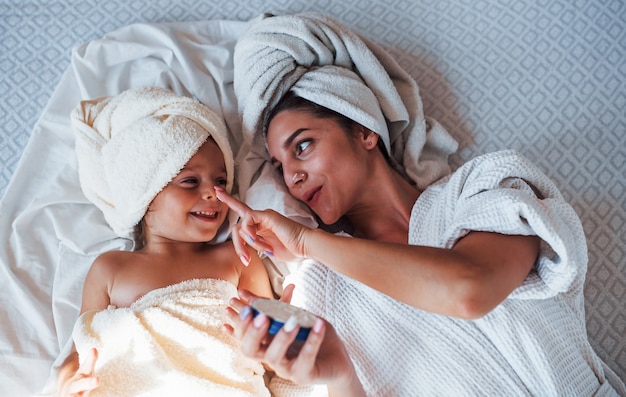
[302, 146]
[221, 181]
[189, 181]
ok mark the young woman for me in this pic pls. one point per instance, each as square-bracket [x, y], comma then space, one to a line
[473, 286]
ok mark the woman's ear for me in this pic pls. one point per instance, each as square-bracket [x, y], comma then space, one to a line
[369, 139]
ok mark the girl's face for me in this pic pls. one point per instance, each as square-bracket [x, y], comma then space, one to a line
[187, 209]
[321, 164]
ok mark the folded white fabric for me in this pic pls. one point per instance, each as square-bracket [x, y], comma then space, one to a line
[130, 146]
[326, 63]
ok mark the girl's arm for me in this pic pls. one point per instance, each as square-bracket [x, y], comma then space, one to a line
[74, 378]
[467, 281]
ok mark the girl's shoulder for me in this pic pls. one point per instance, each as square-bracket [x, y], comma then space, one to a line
[113, 258]
[224, 251]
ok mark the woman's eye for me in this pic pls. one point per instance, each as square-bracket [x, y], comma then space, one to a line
[302, 146]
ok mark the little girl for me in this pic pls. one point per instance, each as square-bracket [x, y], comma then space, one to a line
[152, 319]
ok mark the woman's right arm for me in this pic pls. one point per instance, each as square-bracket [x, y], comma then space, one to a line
[323, 358]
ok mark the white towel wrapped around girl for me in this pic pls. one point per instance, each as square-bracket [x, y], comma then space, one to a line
[168, 342]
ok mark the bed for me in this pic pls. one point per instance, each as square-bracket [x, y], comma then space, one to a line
[547, 78]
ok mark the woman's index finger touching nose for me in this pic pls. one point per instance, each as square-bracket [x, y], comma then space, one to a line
[240, 208]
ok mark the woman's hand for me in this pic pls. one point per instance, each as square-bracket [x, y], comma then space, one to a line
[266, 231]
[83, 381]
[322, 358]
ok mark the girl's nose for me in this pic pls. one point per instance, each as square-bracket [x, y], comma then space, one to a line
[209, 193]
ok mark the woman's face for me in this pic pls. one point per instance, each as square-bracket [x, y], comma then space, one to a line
[187, 208]
[321, 164]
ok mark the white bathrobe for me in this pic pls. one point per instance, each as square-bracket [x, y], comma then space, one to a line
[532, 344]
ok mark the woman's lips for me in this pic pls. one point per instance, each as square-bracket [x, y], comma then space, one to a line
[312, 196]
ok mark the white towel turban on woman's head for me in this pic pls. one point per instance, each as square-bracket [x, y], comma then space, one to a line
[324, 62]
[130, 146]
[319, 85]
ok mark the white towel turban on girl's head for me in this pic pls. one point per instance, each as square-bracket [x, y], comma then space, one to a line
[129, 147]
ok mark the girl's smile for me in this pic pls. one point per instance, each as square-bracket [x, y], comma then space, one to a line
[187, 208]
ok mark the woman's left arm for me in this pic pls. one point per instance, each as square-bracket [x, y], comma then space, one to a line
[467, 281]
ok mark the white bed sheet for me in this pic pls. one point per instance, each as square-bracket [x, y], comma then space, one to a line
[545, 78]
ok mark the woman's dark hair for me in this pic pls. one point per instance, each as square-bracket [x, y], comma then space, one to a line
[293, 102]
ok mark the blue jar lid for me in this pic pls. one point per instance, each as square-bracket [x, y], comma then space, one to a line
[279, 312]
